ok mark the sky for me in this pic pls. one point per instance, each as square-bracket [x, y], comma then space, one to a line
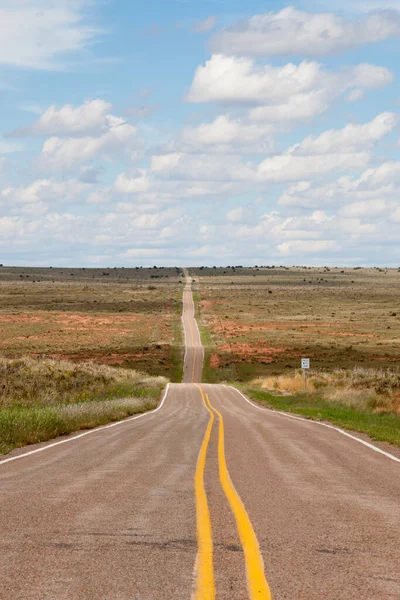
[208, 132]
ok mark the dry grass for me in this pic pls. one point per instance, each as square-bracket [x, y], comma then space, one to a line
[43, 382]
[126, 317]
[262, 321]
[44, 398]
[364, 389]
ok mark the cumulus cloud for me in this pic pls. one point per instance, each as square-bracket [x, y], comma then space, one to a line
[87, 118]
[63, 153]
[202, 167]
[145, 187]
[296, 32]
[299, 107]
[224, 135]
[234, 79]
[373, 184]
[289, 167]
[348, 138]
[288, 93]
[38, 34]
[345, 149]
[297, 247]
[38, 195]
[240, 214]
[133, 185]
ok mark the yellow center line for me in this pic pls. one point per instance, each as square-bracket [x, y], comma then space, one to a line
[205, 586]
[256, 580]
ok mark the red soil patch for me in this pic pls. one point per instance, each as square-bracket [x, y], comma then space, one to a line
[245, 350]
[230, 328]
[215, 361]
[20, 319]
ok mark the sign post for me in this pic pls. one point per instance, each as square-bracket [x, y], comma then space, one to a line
[305, 365]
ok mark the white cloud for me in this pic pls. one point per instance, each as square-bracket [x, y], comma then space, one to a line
[64, 153]
[39, 33]
[206, 25]
[240, 80]
[146, 188]
[297, 247]
[343, 149]
[366, 208]
[374, 184]
[288, 93]
[289, 167]
[85, 119]
[39, 194]
[203, 167]
[347, 139]
[295, 32]
[298, 107]
[225, 135]
[133, 185]
[240, 214]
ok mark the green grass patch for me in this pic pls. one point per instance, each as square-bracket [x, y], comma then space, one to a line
[21, 425]
[379, 426]
[44, 398]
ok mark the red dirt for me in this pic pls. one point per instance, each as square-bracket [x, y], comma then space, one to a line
[20, 319]
[215, 361]
[247, 350]
[230, 328]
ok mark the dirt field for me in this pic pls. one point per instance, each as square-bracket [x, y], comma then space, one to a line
[124, 317]
[261, 321]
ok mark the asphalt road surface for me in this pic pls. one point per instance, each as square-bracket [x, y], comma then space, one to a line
[208, 497]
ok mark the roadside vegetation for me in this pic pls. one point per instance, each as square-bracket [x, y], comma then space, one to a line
[257, 323]
[44, 398]
[367, 402]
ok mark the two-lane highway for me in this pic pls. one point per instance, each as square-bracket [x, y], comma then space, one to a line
[194, 352]
[208, 497]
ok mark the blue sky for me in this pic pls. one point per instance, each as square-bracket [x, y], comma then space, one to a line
[205, 132]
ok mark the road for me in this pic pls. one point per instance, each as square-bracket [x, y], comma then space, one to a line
[208, 497]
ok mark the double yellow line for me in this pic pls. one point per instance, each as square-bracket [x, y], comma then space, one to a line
[205, 586]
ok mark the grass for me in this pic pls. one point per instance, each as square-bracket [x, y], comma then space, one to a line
[263, 320]
[382, 427]
[257, 323]
[364, 389]
[123, 317]
[44, 398]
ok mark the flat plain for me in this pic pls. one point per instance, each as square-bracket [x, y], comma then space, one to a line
[261, 321]
[258, 323]
[123, 317]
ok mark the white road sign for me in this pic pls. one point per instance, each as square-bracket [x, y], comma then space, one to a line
[305, 363]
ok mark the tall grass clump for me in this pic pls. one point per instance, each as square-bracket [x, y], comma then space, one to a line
[364, 389]
[44, 398]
